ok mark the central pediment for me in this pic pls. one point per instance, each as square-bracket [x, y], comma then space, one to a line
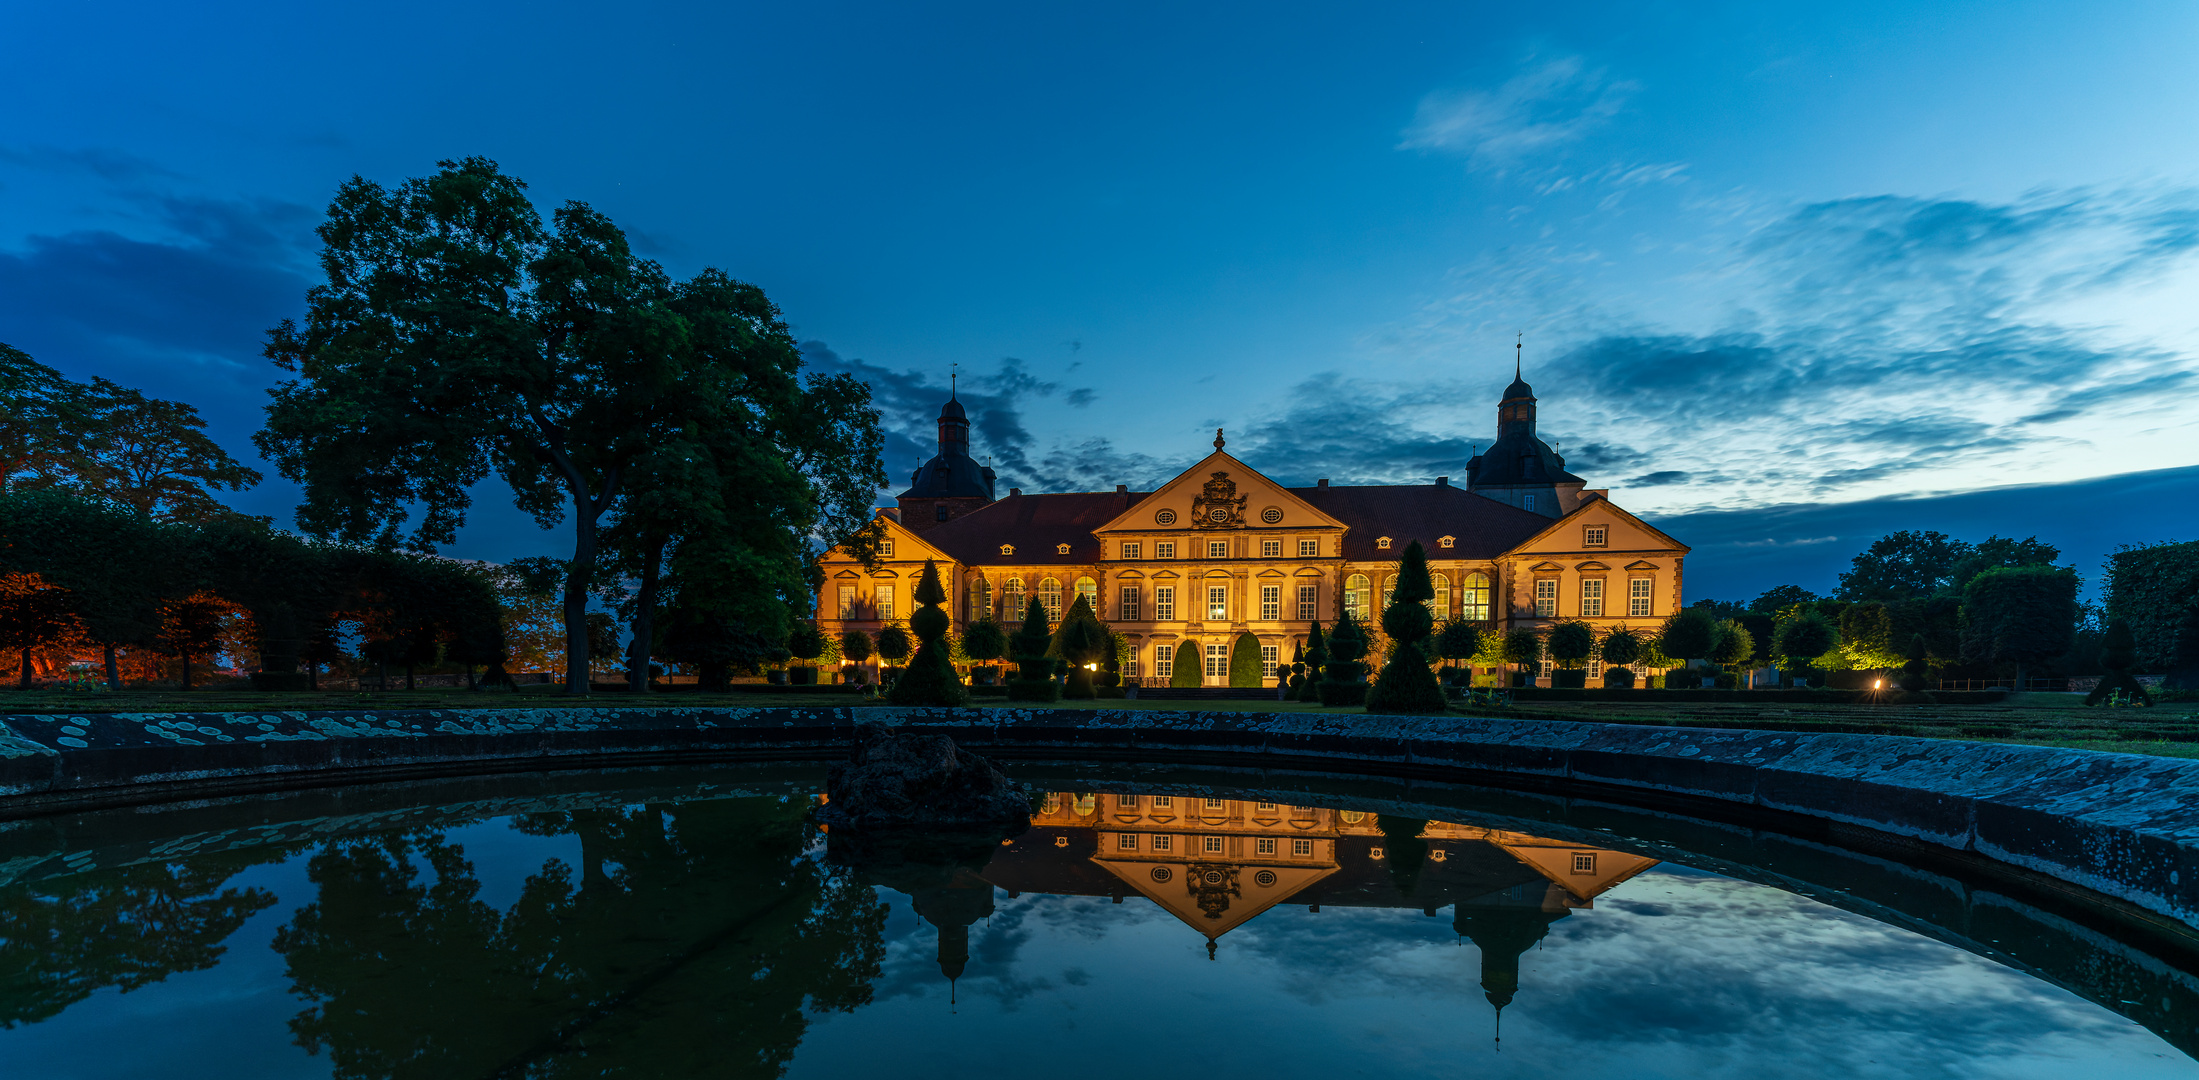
[1219, 493]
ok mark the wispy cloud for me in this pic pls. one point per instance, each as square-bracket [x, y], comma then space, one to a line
[1550, 104]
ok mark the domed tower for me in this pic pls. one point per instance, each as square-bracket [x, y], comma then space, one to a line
[952, 483]
[1519, 468]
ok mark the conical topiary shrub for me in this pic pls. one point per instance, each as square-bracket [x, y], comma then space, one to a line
[1034, 679]
[930, 678]
[1080, 640]
[1407, 686]
[2118, 651]
[1344, 678]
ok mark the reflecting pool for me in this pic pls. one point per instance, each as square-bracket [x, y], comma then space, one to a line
[1135, 928]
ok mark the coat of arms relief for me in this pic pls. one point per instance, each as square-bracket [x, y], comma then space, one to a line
[1218, 506]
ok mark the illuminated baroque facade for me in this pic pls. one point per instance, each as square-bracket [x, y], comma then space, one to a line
[1221, 550]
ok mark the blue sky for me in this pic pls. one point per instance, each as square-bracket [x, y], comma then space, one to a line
[1768, 260]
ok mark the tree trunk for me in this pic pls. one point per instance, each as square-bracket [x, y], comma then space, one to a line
[114, 672]
[586, 510]
[645, 605]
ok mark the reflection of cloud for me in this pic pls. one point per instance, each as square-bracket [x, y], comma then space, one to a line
[1674, 973]
[1544, 106]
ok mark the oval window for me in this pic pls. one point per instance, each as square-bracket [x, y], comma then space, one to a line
[1272, 514]
[1165, 517]
[1217, 514]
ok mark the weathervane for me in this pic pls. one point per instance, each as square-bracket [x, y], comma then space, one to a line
[954, 375]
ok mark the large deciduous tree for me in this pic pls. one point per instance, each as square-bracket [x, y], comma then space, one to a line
[457, 336]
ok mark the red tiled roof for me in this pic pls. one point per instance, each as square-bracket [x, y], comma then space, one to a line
[1485, 528]
[1038, 524]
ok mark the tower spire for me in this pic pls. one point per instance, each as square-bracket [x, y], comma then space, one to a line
[1516, 347]
[954, 377]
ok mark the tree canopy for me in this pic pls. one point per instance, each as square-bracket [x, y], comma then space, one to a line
[457, 336]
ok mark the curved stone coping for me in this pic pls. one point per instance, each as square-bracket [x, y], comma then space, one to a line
[2121, 825]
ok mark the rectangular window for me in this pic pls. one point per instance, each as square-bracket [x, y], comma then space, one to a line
[885, 549]
[1126, 841]
[1271, 601]
[1164, 665]
[1301, 847]
[1212, 845]
[1217, 804]
[1164, 802]
[1528, 503]
[1309, 549]
[1217, 661]
[1263, 845]
[1309, 601]
[1584, 862]
[1217, 601]
[1164, 549]
[1263, 806]
[1269, 659]
[1126, 800]
[1638, 597]
[1164, 843]
[1164, 602]
[1217, 549]
[1591, 596]
[1594, 536]
[1126, 605]
[1132, 549]
[1546, 598]
[847, 601]
[1271, 549]
[884, 595]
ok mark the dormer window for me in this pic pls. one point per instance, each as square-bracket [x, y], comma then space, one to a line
[1007, 549]
[1061, 549]
[1382, 542]
[1595, 536]
[1446, 541]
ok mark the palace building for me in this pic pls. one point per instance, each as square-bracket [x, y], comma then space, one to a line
[1222, 550]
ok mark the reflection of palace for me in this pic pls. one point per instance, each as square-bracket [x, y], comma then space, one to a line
[1217, 863]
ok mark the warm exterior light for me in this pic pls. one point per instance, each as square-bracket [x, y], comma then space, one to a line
[1878, 684]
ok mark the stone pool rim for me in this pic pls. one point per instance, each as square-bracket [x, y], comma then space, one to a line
[2122, 828]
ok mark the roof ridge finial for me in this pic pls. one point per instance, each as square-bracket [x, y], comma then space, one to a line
[1517, 346]
[954, 379]
[1218, 440]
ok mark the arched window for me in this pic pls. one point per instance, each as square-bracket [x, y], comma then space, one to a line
[1049, 597]
[1474, 598]
[1389, 590]
[1355, 596]
[981, 599]
[1440, 607]
[1089, 590]
[1011, 593]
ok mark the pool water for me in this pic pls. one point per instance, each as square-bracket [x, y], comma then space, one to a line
[1129, 931]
